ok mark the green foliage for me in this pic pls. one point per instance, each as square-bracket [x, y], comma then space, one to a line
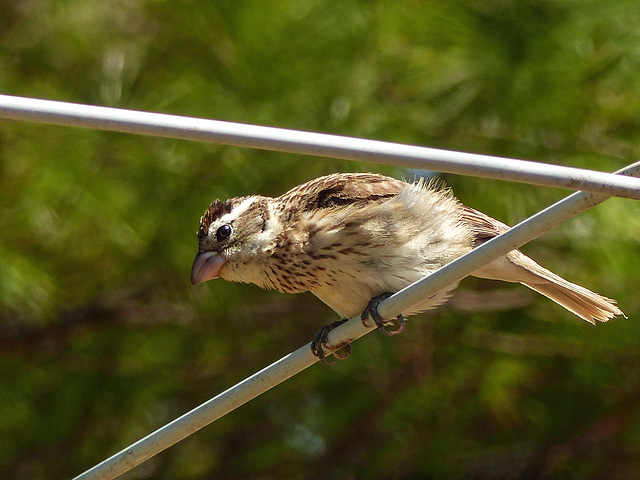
[103, 339]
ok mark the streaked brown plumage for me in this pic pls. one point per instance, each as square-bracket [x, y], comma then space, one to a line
[349, 237]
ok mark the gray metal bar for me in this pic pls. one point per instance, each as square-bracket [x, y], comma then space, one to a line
[306, 143]
[302, 358]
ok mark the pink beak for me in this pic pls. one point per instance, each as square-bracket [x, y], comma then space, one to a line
[206, 266]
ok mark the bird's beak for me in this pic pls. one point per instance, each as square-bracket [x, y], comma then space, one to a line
[206, 266]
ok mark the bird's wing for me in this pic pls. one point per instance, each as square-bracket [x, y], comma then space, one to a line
[483, 226]
[344, 189]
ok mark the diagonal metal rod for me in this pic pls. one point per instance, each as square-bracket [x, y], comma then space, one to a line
[307, 143]
[302, 358]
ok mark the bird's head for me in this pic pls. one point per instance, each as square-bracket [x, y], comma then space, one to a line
[232, 236]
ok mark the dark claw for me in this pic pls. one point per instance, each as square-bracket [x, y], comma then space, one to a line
[400, 324]
[319, 343]
[372, 312]
[346, 351]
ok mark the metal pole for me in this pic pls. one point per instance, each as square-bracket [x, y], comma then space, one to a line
[307, 143]
[302, 358]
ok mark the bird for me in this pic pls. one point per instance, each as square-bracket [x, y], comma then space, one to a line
[353, 239]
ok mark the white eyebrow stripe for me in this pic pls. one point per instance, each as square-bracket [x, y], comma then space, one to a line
[238, 211]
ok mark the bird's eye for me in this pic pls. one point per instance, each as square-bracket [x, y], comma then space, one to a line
[223, 232]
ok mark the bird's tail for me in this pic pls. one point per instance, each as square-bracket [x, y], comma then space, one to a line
[517, 267]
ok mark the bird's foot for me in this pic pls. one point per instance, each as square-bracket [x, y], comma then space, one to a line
[319, 343]
[372, 312]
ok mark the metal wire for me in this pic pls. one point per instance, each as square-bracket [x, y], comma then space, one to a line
[302, 358]
[294, 141]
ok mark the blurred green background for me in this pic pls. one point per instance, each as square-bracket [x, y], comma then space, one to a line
[103, 339]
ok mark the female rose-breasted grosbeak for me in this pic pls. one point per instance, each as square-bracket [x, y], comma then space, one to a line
[352, 237]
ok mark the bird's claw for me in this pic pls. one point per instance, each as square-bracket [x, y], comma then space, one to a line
[319, 343]
[372, 312]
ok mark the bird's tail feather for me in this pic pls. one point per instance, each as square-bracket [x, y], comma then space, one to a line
[517, 267]
[584, 303]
